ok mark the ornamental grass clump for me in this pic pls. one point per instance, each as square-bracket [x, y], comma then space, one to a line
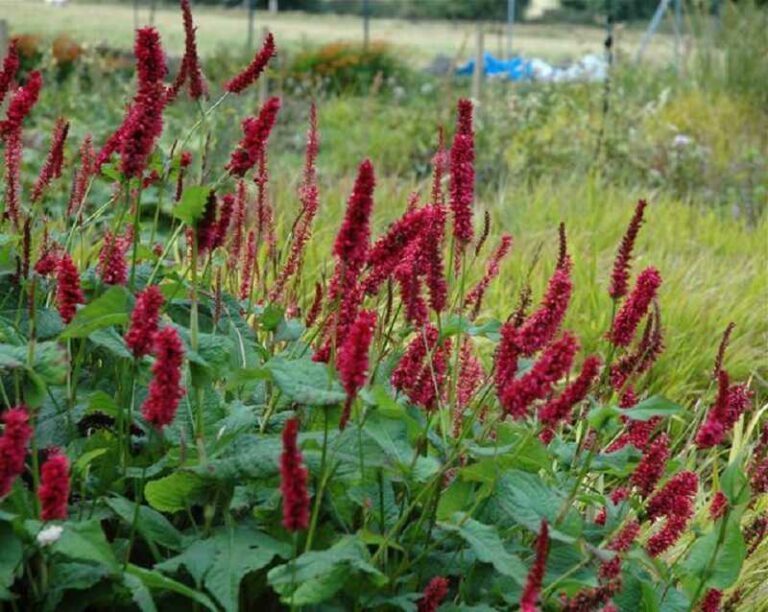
[215, 416]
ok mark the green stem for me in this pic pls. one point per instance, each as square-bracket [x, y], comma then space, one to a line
[321, 487]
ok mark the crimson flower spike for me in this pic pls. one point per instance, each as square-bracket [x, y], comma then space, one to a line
[144, 122]
[530, 597]
[190, 65]
[674, 502]
[475, 296]
[239, 83]
[652, 465]
[555, 362]
[622, 263]
[13, 446]
[293, 480]
[53, 492]
[68, 292]
[21, 104]
[8, 71]
[636, 306]
[256, 131]
[352, 241]
[165, 390]
[53, 162]
[352, 359]
[539, 329]
[434, 593]
[462, 164]
[144, 321]
[722, 348]
[559, 409]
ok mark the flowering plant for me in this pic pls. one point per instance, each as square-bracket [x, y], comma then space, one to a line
[206, 419]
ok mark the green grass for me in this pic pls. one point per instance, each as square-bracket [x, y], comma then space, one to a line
[227, 29]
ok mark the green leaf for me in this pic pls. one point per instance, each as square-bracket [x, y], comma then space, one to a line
[599, 415]
[85, 541]
[192, 204]
[215, 350]
[485, 542]
[652, 407]
[197, 558]
[318, 575]
[172, 493]
[10, 555]
[140, 593]
[714, 563]
[110, 308]
[239, 552]
[109, 339]
[527, 499]
[49, 365]
[84, 460]
[150, 524]
[306, 382]
[155, 580]
[271, 317]
[735, 484]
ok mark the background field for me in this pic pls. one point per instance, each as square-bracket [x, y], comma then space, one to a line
[227, 28]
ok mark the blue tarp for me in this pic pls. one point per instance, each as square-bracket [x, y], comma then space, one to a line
[515, 69]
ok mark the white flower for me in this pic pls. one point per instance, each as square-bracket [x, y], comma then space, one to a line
[49, 535]
[681, 140]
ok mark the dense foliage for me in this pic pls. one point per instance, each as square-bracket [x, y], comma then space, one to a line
[192, 414]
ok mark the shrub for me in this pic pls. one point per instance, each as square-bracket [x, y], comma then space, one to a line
[193, 415]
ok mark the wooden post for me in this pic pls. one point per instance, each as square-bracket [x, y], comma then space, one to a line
[251, 19]
[477, 73]
[4, 38]
[366, 24]
[510, 21]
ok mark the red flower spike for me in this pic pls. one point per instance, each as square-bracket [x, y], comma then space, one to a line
[470, 377]
[554, 363]
[21, 103]
[675, 503]
[559, 409]
[13, 152]
[530, 597]
[731, 402]
[718, 506]
[52, 165]
[190, 65]
[144, 121]
[53, 492]
[475, 296]
[248, 76]
[165, 390]
[314, 309]
[388, 251]
[507, 353]
[238, 224]
[256, 131]
[68, 292]
[352, 358]
[352, 241]
[622, 263]
[112, 265]
[651, 466]
[635, 307]
[308, 195]
[433, 258]
[144, 321]
[711, 601]
[249, 264]
[13, 446]
[721, 349]
[84, 173]
[434, 593]
[206, 229]
[538, 330]
[619, 544]
[8, 71]
[225, 218]
[462, 188]
[406, 373]
[293, 480]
